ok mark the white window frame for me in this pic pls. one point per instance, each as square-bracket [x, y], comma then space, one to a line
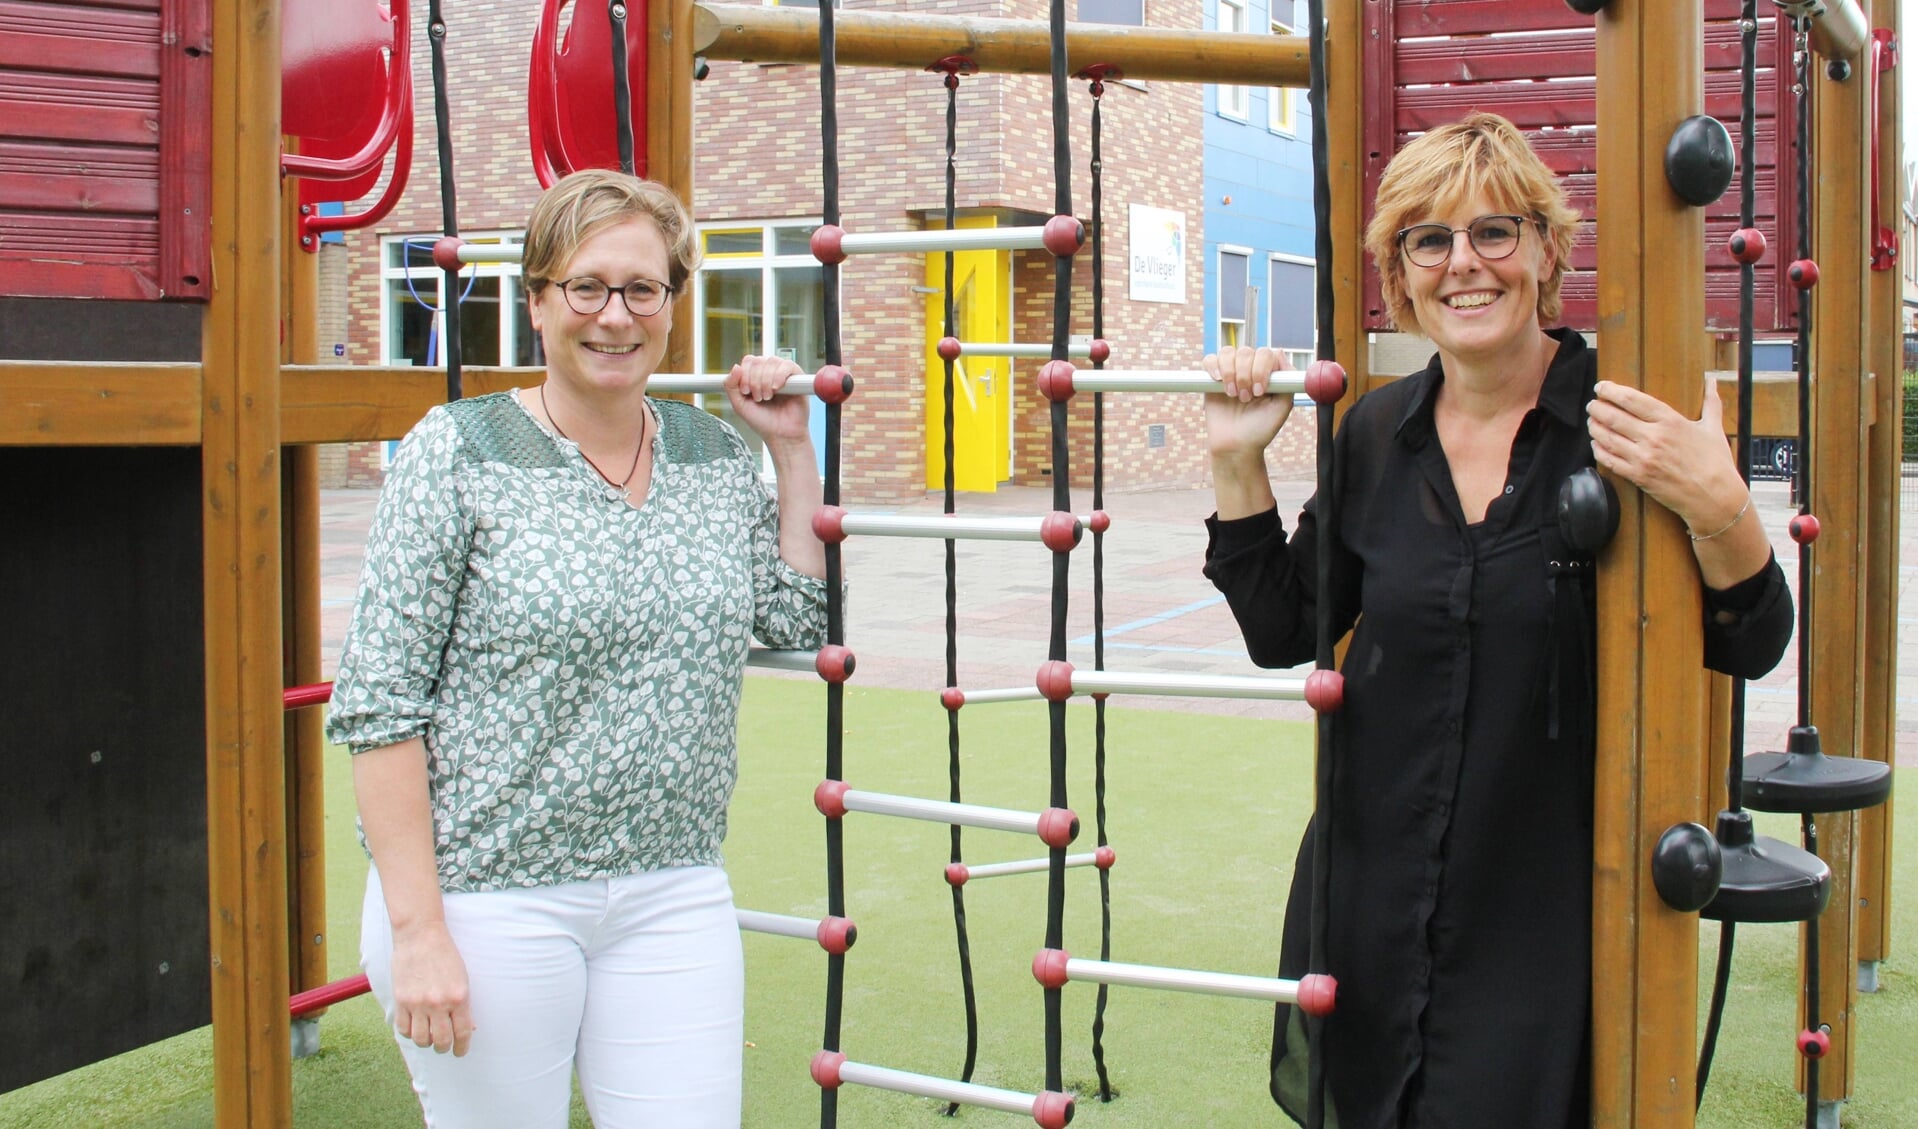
[1220, 321]
[1298, 358]
[1233, 101]
[767, 264]
[1281, 106]
[393, 279]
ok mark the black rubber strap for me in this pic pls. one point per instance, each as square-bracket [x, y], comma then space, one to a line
[449, 200]
[835, 589]
[622, 94]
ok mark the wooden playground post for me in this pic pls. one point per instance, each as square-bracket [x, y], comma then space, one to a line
[1879, 737]
[1345, 158]
[1652, 691]
[240, 412]
[669, 135]
[301, 732]
[1841, 207]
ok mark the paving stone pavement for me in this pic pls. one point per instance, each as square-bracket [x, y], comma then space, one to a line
[1160, 613]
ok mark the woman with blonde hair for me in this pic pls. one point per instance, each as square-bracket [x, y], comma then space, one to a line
[1459, 921]
[540, 688]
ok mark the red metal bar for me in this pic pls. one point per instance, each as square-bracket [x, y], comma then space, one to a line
[326, 995]
[317, 693]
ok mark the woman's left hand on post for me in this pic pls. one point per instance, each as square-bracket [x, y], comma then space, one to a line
[1684, 464]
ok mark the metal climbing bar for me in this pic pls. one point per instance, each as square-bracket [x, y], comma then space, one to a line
[1160, 380]
[1058, 531]
[1157, 684]
[1314, 995]
[1050, 1109]
[1062, 235]
[303, 1004]
[834, 934]
[299, 697]
[1085, 349]
[1056, 827]
[959, 873]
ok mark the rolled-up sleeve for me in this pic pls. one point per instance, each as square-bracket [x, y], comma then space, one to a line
[391, 663]
[1748, 625]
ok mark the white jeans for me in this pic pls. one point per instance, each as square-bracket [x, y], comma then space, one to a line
[638, 983]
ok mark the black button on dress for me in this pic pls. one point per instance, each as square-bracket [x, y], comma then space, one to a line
[1461, 851]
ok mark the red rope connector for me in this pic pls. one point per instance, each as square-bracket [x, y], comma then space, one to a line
[1058, 827]
[834, 663]
[1055, 380]
[1099, 74]
[825, 1069]
[836, 934]
[832, 384]
[1317, 993]
[953, 66]
[1049, 967]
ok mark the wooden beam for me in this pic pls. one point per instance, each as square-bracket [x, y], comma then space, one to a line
[790, 34]
[240, 477]
[669, 132]
[1652, 689]
[75, 404]
[1840, 155]
[1879, 734]
[350, 403]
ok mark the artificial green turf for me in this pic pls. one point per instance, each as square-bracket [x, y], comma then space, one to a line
[1205, 813]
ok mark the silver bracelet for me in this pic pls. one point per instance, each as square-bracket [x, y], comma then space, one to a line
[1736, 518]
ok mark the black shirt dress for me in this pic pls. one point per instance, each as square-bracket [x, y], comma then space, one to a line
[1461, 850]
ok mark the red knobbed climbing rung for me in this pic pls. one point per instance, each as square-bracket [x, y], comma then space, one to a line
[1314, 994]
[1061, 235]
[1050, 1109]
[1056, 827]
[834, 934]
[1058, 680]
[959, 873]
[326, 995]
[1058, 531]
[297, 697]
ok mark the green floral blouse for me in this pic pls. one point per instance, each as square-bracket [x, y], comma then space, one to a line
[573, 663]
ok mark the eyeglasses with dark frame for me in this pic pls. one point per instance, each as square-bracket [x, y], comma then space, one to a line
[644, 297]
[1493, 238]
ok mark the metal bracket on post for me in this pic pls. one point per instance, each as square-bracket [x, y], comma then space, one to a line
[306, 1037]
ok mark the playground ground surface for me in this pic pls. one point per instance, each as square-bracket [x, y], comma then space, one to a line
[1206, 800]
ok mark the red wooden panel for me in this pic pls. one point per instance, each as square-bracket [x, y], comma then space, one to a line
[78, 238]
[186, 156]
[104, 123]
[1560, 102]
[47, 177]
[1491, 58]
[64, 37]
[80, 108]
[1478, 17]
[1582, 190]
[1492, 54]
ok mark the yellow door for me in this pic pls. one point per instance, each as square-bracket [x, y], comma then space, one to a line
[981, 419]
